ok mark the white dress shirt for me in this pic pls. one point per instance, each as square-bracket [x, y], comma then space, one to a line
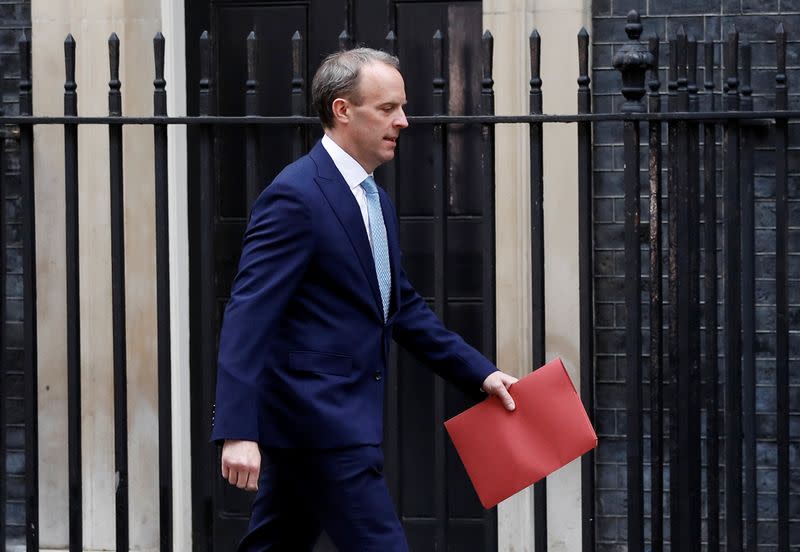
[353, 173]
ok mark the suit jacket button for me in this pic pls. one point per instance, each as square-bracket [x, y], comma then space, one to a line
[378, 376]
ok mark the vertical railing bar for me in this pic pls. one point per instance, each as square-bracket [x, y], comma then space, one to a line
[392, 443]
[30, 339]
[160, 142]
[118, 298]
[537, 266]
[781, 291]
[71, 193]
[633, 338]
[488, 291]
[3, 249]
[694, 484]
[537, 208]
[440, 284]
[252, 153]
[733, 321]
[298, 94]
[656, 314]
[391, 18]
[748, 310]
[585, 284]
[671, 401]
[633, 60]
[350, 20]
[389, 170]
[206, 220]
[711, 383]
[345, 40]
[682, 537]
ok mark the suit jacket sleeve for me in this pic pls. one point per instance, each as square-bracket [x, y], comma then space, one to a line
[276, 251]
[420, 331]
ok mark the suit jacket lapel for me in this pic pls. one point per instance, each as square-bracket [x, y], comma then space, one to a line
[346, 208]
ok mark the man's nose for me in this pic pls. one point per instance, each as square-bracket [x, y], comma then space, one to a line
[401, 121]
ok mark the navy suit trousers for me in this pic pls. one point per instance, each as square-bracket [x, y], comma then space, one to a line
[343, 491]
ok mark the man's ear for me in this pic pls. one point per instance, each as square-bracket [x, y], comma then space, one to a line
[340, 110]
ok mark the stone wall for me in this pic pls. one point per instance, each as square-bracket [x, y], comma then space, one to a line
[15, 16]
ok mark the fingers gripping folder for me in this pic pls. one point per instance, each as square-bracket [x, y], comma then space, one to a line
[505, 452]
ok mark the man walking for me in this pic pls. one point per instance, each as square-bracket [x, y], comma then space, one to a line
[305, 338]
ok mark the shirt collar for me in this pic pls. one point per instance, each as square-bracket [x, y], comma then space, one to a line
[352, 172]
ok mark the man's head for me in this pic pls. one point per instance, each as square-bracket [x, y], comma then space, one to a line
[359, 95]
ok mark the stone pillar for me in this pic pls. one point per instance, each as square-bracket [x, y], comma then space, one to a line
[558, 22]
[91, 22]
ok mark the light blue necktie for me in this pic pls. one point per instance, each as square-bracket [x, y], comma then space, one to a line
[380, 246]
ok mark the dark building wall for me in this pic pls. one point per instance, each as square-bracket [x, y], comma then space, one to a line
[15, 16]
[756, 21]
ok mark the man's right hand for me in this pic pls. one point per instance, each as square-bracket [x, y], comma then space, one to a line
[241, 464]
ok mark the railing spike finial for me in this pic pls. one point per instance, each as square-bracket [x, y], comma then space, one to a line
[633, 28]
[69, 63]
[487, 43]
[781, 90]
[252, 61]
[535, 42]
[732, 62]
[298, 75]
[747, 89]
[633, 60]
[204, 106]
[159, 84]
[251, 84]
[691, 71]
[708, 52]
[113, 53]
[297, 60]
[25, 84]
[391, 43]
[438, 63]
[583, 59]
[114, 85]
[345, 40]
[158, 52]
[655, 83]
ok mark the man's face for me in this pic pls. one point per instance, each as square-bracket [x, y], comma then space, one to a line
[369, 130]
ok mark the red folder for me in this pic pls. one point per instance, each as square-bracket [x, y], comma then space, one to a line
[504, 452]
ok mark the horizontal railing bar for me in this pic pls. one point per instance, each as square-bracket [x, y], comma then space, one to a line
[700, 116]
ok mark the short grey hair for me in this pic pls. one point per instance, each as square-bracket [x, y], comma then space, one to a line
[338, 76]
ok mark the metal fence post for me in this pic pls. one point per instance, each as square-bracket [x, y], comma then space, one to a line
[252, 153]
[710, 369]
[72, 234]
[440, 281]
[160, 143]
[585, 286]
[733, 312]
[656, 313]
[488, 235]
[30, 339]
[782, 289]
[633, 60]
[537, 264]
[118, 297]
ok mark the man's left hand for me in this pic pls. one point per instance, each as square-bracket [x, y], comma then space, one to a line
[497, 383]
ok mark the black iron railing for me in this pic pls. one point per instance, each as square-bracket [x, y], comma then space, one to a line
[680, 389]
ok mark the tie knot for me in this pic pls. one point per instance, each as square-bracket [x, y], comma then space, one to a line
[369, 185]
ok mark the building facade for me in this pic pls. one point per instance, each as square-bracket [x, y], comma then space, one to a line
[511, 22]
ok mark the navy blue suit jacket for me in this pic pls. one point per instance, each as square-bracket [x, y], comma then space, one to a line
[303, 345]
